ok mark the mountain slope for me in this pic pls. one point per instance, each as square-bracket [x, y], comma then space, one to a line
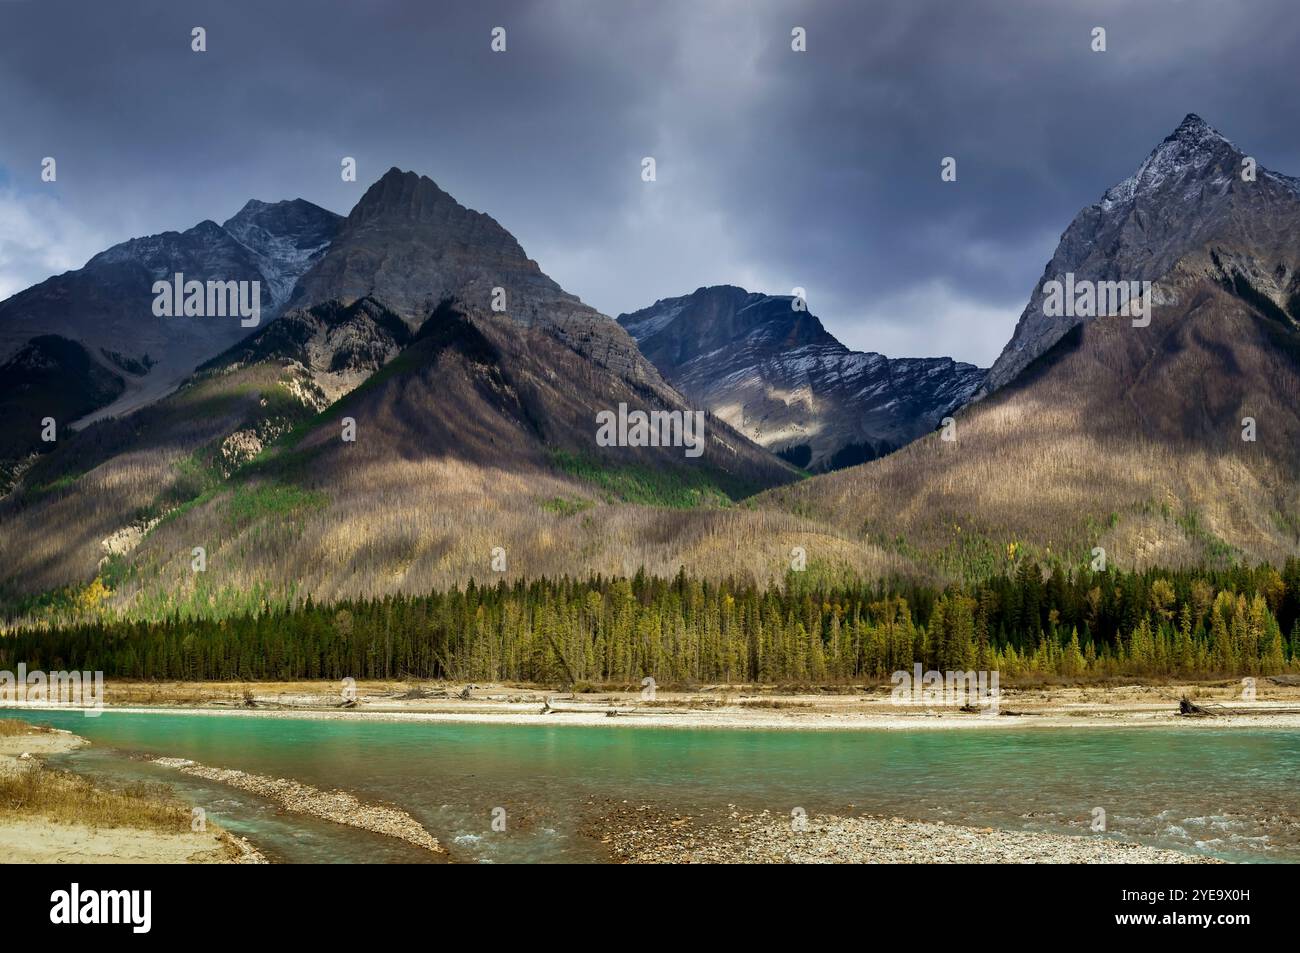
[474, 435]
[1121, 437]
[49, 377]
[775, 374]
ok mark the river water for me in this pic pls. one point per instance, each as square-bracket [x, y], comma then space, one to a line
[1233, 793]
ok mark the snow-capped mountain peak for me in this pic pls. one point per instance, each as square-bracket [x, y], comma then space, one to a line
[1194, 149]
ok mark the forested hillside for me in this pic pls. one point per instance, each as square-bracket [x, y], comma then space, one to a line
[688, 631]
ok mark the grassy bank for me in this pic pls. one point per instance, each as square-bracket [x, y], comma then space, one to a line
[52, 816]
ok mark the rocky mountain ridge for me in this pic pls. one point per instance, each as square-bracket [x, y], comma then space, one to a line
[773, 372]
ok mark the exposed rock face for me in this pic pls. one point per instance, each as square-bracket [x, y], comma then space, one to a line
[1189, 194]
[412, 270]
[776, 375]
[482, 390]
[412, 246]
[285, 239]
[333, 347]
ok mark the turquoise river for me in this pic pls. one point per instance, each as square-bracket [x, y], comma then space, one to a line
[1233, 793]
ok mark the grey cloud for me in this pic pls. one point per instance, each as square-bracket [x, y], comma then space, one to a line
[775, 169]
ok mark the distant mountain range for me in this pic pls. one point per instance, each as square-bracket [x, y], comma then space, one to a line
[470, 384]
[85, 345]
[774, 373]
[475, 430]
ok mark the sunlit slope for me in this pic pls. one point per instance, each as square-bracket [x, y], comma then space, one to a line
[1128, 439]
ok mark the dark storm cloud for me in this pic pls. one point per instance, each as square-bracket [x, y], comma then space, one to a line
[775, 169]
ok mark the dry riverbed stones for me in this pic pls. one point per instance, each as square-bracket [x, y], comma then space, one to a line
[337, 806]
[645, 834]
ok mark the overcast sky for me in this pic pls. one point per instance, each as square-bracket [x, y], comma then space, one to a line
[775, 169]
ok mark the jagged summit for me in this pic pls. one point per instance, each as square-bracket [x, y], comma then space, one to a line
[256, 207]
[251, 207]
[1194, 127]
[407, 194]
[675, 330]
[400, 196]
[284, 238]
[1194, 150]
[412, 246]
[1188, 195]
[103, 315]
[1102, 434]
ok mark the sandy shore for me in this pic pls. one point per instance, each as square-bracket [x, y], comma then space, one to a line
[1124, 706]
[38, 841]
[645, 835]
[27, 836]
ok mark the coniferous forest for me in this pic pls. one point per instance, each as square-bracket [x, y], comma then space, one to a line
[684, 631]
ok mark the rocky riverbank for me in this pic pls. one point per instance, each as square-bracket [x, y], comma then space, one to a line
[337, 806]
[647, 835]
